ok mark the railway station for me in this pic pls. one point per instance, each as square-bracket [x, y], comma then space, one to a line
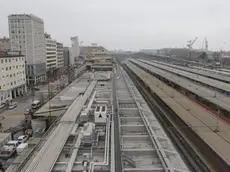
[142, 115]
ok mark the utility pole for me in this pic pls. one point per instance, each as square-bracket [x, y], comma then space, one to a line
[70, 73]
[217, 121]
[32, 90]
[49, 94]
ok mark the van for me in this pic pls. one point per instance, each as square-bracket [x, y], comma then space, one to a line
[21, 147]
[36, 104]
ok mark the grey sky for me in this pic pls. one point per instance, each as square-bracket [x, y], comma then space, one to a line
[129, 24]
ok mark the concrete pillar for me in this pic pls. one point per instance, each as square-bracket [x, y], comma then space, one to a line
[17, 92]
[25, 88]
[35, 80]
[10, 93]
[14, 92]
[20, 91]
[1, 98]
[21, 88]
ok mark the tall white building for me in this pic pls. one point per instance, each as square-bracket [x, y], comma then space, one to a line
[74, 50]
[27, 35]
[51, 52]
[60, 55]
[12, 75]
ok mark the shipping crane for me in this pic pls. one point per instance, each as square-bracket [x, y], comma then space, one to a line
[191, 42]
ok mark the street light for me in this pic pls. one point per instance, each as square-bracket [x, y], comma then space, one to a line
[217, 129]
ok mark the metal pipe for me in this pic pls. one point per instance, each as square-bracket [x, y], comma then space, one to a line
[106, 154]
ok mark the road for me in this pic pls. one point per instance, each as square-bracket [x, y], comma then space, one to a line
[13, 117]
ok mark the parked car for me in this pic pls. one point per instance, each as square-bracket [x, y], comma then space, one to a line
[22, 138]
[36, 88]
[36, 104]
[12, 105]
[28, 111]
[2, 106]
[14, 143]
[9, 149]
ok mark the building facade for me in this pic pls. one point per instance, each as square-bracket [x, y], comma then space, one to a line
[4, 44]
[12, 75]
[51, 53]
[89, 52]
[60, 55]
[66, 56]
[74, 50]
[27, 35]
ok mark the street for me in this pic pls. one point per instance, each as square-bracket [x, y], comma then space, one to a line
[13, 117]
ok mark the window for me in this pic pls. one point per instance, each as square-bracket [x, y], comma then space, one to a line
[16, 66]
[11, 75]
[10, 68]
[1, 61]
[14, 82]
[14, 74]
[11, 83]
[9, 60]
[6, 60]
[16, 59]
[6, 68]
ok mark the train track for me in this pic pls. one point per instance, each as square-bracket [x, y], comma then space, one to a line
[194, 162]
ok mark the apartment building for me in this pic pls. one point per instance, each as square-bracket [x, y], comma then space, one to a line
[4, 44]
[12, 75]
[51, 52]
[60, 55]
[27, 35]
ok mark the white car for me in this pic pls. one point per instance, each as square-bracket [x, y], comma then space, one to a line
[12, 105]
[2, 106]
[22, 138]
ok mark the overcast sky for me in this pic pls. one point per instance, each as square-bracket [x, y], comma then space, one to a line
[129, 24]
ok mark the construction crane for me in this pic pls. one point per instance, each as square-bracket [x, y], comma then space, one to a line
[191, 42]
[206, 44]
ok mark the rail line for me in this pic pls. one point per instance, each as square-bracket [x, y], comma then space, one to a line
[163, 114]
